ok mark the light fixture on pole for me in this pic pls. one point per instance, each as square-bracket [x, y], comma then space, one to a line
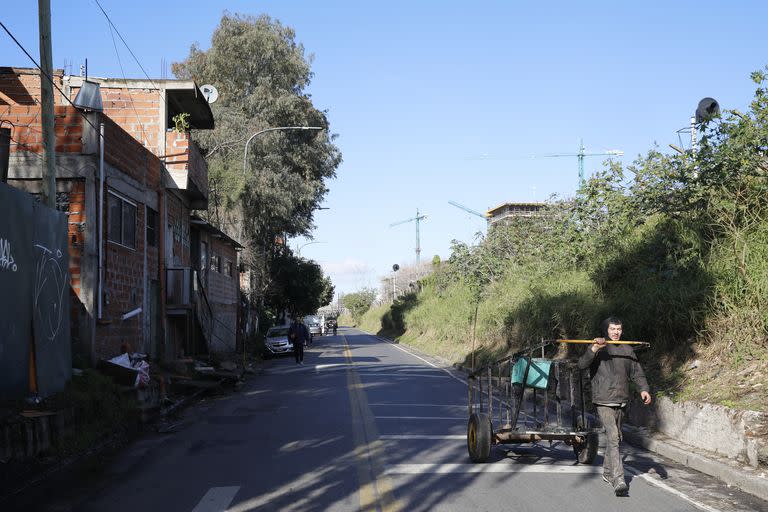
[298, 251]
[395, 268]
[276, 128]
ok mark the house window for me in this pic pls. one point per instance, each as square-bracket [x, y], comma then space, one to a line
[204, 256]
[229, 268]
[122, 221]
[151, 227]
[215, 262]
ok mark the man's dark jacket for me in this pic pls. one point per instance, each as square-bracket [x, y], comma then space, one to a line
[611, 368]
[298, 333]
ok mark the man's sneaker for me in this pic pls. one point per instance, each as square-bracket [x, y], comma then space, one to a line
[607, 480]
[620, 488]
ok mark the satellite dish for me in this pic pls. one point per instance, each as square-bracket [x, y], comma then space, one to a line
[209, 93]
[707, 109]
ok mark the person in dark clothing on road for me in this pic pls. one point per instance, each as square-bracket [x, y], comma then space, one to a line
[611, 367]
[298, 334]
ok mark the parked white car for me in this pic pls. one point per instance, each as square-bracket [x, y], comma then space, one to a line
[313, 324]
[277, 342]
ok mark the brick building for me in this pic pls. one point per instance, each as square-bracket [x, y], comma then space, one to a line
[215, 259]
[134, 281]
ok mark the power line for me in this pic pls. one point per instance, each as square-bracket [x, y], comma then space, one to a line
[49, 78]
[130, 96]
[128, 47]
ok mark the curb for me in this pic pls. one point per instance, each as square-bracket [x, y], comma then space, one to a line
[744, 478]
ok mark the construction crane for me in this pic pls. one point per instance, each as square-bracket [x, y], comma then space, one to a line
[582, 153]
[468, 210]
[418, 218]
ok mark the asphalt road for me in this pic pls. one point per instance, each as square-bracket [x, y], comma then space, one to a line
[363, 425]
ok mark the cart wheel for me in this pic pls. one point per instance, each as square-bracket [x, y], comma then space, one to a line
[479, 437]
[586, 452]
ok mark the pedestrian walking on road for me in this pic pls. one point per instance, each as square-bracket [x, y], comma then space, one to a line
[298, 334]
[611, 367]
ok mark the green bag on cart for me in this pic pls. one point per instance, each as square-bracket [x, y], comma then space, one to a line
[538, 372]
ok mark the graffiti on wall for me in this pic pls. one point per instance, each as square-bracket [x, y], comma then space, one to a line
[6, 256]
[51, 281]
[34, 305]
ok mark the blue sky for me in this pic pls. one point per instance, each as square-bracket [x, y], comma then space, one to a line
[420, 92]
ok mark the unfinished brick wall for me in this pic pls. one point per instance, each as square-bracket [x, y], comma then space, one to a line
[21, 86]
[137, 111]
[223, 294]
[184, 155]
[129, 155]
[123, 292]
[27, 133]
[76, 235]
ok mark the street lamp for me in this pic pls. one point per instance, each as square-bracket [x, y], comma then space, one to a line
[245, 156]
[298, 251]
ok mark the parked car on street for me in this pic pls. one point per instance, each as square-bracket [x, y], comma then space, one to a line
[313, 324]
[277, 342]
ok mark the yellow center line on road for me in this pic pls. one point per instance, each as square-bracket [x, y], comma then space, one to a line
[375, 486]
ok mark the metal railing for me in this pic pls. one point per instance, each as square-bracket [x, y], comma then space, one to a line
[559, 406]
[203, 310]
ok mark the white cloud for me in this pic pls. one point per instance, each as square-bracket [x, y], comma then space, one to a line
[348, 267]
[350, 274]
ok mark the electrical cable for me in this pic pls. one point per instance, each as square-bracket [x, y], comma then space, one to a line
[128, 47]
[48, 77]
[130, 96]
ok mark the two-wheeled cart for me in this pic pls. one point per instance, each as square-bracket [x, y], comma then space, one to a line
[526, 399]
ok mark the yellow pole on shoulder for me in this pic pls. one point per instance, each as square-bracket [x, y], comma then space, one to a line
[608, 342]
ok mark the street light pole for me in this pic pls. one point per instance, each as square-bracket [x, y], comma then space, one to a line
[277, 128]
[245, 167]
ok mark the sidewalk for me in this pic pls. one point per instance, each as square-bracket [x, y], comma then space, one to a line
[17, 476]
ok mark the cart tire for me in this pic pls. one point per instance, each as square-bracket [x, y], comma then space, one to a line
[479, 437]
[587, 452]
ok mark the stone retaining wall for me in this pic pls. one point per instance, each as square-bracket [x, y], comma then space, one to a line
[736, 434]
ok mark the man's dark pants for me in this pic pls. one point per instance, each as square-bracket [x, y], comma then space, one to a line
[298, 351]
[611, 417]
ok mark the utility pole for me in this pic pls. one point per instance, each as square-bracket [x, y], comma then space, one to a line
[5, 151]
[46, 88]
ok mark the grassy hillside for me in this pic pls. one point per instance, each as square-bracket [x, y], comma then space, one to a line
[675, 245]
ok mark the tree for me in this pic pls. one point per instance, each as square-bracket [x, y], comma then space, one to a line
[359, 302]
[261, 73]
[328, 291]
[298, 285]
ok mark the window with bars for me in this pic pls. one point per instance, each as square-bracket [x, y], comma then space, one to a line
[121, 227]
